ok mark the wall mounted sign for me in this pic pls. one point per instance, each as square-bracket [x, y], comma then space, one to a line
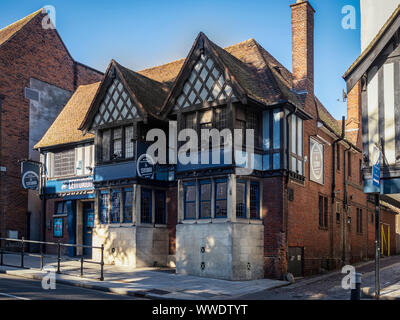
[77, 184]
[145, 167]
[30, 172]
[316, 161]
[58, 227]
[90, 220]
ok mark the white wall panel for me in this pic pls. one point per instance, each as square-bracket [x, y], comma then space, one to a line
[390, 153]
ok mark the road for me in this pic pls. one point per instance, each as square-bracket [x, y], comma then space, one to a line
[15, 288]
[329, 287]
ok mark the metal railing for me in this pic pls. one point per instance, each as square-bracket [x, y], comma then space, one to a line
[59, 245]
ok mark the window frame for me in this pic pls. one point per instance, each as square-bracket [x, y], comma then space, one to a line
[107, 206]
[323, 212]
[124, 207]
[216, 182]
[150, 209]
[163, 194]
[201, 201]
[111, 214]
[295, 155]
[58, 174]
[244, 182]
[256, 201]
[111, 142]
[185, 202]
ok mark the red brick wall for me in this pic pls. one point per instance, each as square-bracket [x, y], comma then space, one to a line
[50, 210]
[38, 53]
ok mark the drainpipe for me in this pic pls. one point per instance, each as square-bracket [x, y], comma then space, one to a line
[286, 209]
[334, 158]
[345, 205]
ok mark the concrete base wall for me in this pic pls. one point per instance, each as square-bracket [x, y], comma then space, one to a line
[231, 251]
[152, 247]
[132, 246]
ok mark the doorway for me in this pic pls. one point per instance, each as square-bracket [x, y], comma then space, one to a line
[296, 261]
[88, 225]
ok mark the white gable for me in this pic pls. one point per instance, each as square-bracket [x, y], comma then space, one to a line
[205, 84]
[116, 106]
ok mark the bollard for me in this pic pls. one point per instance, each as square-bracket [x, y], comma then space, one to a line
[356, 292]
[102, 263]
[58, 257]
[22, 252]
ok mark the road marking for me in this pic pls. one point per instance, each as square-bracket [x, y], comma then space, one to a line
[12, 296]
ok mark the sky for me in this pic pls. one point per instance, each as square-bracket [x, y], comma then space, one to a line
[142, 34]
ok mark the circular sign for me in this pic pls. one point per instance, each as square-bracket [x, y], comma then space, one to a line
[145, 166]
[30, 180]
[316, 160]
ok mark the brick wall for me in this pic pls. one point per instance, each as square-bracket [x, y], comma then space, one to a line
[41, 54]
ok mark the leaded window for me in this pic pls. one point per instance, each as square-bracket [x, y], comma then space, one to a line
[128, 205]
[254, 200]
[64, 163]
[104, 207]
[205, 199]
[115, 206]
[118, 143]
[205, 84]
[221, 198]
[145, 206]
[116, 106]
[190, 200]
[296, 145]
[241, 198]
[160, 209]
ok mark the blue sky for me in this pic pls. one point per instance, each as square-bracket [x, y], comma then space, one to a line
[141, 34]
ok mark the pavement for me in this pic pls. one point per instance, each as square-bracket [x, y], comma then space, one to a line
[329, 286]
[150, 283]
[17, 288]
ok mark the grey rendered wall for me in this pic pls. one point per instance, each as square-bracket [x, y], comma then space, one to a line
[152, 246]
[42, 114]
[228, 249]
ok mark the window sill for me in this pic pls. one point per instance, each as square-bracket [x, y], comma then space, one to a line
[323, 228]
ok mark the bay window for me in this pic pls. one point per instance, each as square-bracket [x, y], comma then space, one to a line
[296, 145]
[117, 144]
[64, 163]
[272, 144]
[254, 200]
[115, 206]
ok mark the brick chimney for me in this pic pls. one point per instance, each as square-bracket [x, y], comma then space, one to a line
[303, 46]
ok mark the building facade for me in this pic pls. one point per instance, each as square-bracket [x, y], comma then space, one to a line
[220, 208]
[38, 78]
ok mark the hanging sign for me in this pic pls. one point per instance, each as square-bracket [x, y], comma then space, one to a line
[376, 171]
[145, 167]
[316, 161]
[30, 172]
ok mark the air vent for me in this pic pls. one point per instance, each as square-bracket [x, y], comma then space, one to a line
[32, 94]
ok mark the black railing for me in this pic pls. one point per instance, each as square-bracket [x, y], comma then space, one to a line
[59, 245]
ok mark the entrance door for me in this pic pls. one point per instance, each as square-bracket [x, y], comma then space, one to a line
[88, 225]
[295, 264]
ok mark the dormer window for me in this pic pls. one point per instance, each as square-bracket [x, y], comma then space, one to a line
[117, 144]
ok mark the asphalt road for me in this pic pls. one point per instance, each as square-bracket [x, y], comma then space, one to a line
[14, 288]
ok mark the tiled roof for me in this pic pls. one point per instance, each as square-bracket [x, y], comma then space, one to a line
[64, 129]
[149, 92]
[258, 73]
[9, 31]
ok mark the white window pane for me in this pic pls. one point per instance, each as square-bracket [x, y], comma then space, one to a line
[300, 137]
[277, 129]
[293, 134]
[266, 131]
